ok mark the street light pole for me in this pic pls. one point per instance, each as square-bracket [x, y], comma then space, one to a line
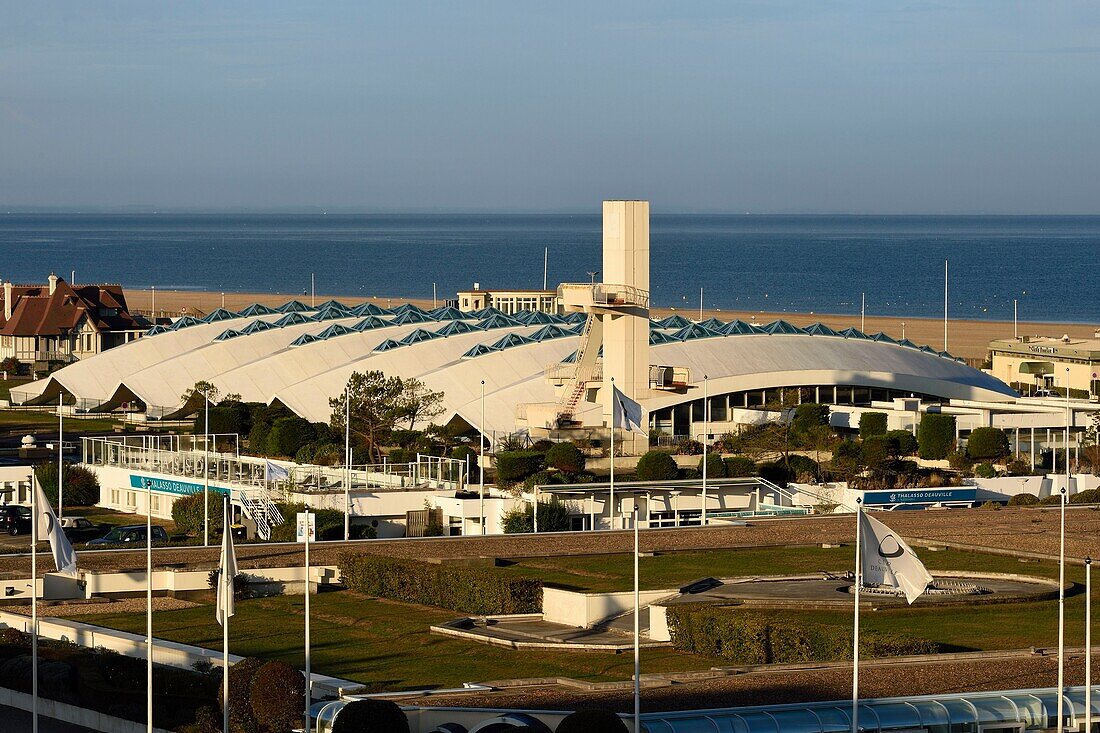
[481, 465]
[706, 431]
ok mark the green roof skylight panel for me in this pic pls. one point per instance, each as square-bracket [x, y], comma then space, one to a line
[676, 321]
[855, 333]
[694, 331]
[882, 338]
[334, 330]
[820, 329]
[782, 326]
[498, 321]
[535, 318]
[387, 345]
[293, 318]
[410, 316]
[485, 313]
[227, 334]
[258, 326]
[368, 323]
[333, 304]
[714, 324]
[659, 337]
[331, 314]
[219, 314]
[257, 309]
[155, 330]
[446, 313]
[293, 306]
[510, 340]
[550, 331]
[740, 328]
[184, 322]
[572, 358]
[304, 339]
[407, 307]
[479, 350]
[574, 317]
[370, 309]
[908, 344]
[456, 327]
[420, 334]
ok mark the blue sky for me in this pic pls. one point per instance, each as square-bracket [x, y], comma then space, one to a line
[876, 106]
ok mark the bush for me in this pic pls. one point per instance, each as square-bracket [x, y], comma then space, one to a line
[739, 466]
[987, 443]
[935, 436]
[902, 442]
[872, 424]
[81, 486]
[1018, 468]
[803, 467]
[809, 415]
[231, 417]
[1052, 500]
[990, 505]
[565, 457]
[592, 721]
[513, 466]
[553, 517]
[241, 675]
[774, 471]
[542, 445]
[462, 589]
[689, 447]
[716, 467]
[959, 461]
[288, 435]
[370, 716]
[187, 513]
[1088, 496]
[330, 523]
[657, 466]
[257, 437]
[985, 470]
[277, 696]
[12, 366]
[1023, 500]
[765, 637]
[875, 452]
[465, 453]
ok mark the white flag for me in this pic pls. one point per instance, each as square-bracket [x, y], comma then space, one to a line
[626, 413]
[228, 568]
[64, 557]
[887, 560]
[275, 472]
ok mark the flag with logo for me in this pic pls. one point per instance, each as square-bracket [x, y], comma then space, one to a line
[227, 570]
[887, 560]
[64, 557]
[626, 413]
[275, 472]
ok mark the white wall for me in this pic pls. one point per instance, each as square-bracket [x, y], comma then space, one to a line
[15, 484]
[585, 610]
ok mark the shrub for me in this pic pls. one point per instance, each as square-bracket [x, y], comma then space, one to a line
[465, 453]
[81, 485]
[872, 424]
[12, 366]
[542, 445]
[902, 442]
[231, 417]
[330, 523]
[985, 470]
[553, 517]
[288, 435]
[1052, 500]
[187, 513]
[513, 466]
[716, 467]
[803, 467]
[875, 452]
[657, 466]
[1088, 496]
[765, 637]
[277, 697]
[370, 716]
[990, 505]
[959, 461]
[987, 443]
[935, 436]
[689, 447]
[592, 721]
[565, 457]
[739, 466]
[240, 688]
[774, 471]
[1018, 468]
[1023, 500]
[257, 437]
[463, 589]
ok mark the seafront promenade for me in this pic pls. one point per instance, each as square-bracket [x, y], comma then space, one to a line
[966, 338]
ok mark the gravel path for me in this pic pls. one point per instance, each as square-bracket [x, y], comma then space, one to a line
[1015, 530]
[127, 605]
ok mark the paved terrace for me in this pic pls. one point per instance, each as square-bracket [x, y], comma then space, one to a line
[1015, 531]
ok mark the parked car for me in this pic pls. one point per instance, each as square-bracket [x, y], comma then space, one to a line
[130, 534]
[81, 529]
[15, 519]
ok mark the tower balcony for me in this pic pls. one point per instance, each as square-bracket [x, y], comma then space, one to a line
[605, 297]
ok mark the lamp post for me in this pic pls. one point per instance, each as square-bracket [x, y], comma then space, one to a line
[706, 431]
[149, 602]
[206, 471]
[481, 465]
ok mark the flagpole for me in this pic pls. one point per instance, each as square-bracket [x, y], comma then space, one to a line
[855, 631]
[347, 462]
[60, 455]
[149, 604]
[612, 496]
[206, 473]
[34, 606]
[227, 583]
[309, 677]
[481, 462]
[706, 429]
[1088, 644]
[637, 629]
[1062, 604]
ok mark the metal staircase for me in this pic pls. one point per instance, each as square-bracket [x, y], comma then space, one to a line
[585, 370]
[263, 512]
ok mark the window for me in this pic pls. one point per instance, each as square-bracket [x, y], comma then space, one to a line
[114, 496]
[131, 499]
[154, 501]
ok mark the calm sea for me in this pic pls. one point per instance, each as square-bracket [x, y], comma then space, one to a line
[775, 263]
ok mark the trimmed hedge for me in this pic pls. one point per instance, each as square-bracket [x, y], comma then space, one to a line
[935, 436]
[872, 424]
[716, 467]
[81, 486]
[902, 442]
[187, 513]
[371, 716]
[739, 466]
[516, 465]
[758, 637]
[565, 457]
[463, 589]
[987, 443]
[657, 466]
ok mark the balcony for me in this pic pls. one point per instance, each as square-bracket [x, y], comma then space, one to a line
[670, 378]
[587, 296]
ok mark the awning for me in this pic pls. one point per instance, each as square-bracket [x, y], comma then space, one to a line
[1036, 367]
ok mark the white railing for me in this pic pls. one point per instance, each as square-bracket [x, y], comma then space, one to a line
[603, 294]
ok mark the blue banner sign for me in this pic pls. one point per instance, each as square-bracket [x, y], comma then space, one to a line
[171, 486]
[919, 496]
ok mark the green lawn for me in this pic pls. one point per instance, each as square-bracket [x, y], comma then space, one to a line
[44, 419]
[7, 384]
[382, 644]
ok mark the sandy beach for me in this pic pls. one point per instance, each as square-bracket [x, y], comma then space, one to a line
[968, 339]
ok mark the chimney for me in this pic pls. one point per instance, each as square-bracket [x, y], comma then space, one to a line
[53, 282]
[7, 300]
